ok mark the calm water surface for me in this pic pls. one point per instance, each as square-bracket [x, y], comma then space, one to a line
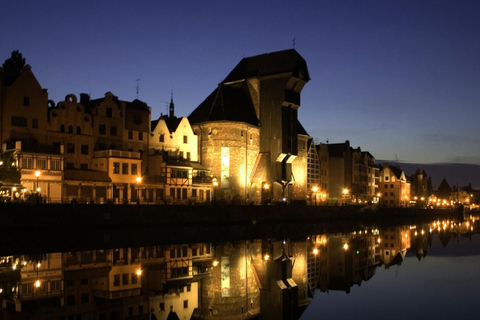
[444, 284]
[429, 270]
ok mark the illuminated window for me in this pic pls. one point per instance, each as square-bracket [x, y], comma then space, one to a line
[42, 164]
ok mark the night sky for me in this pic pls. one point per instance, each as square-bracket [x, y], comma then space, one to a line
[400, 79]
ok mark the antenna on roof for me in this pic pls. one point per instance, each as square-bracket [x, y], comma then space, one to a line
[138, 80]
[294, 41]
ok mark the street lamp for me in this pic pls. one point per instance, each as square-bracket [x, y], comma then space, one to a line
[345, 194]
[37, 174]
[215, 186]
[266, 188]
[315, 190]
[139, 180]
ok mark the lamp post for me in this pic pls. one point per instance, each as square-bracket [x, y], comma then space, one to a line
[345, 194]
[315, 190]
[139, 180]
[37, 174]
[215, 186]
[266, 188]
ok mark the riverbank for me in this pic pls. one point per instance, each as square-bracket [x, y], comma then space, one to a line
[52, 216]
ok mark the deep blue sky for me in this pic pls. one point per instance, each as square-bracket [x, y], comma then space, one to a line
[397, 78]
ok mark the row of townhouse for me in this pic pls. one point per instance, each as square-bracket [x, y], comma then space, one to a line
[101, 150]
[340, 174]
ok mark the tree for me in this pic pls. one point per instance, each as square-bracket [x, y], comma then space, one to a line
[13, 67]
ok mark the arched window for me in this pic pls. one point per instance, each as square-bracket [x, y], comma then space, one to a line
[79, 130]
[70, 129]
[62, 128]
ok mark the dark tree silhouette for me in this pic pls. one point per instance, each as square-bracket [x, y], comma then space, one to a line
[13, 67]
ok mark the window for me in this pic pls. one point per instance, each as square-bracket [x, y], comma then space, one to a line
[26, 101]
[184, 193]
[140, 309]
[130, 135]
[391, 186]
[70, 148]
[42, 164]
[134, 169]
[79, 130]
[108, 112]
[84, 166]
[55, 164]
[162, 138]
[84, 297]
[19, 121]
[140, 136]
[134, 278]
[56, 285]
[185, 139]
[84, 282]
[124, 168]
[189, 287]
[102, 129]
[113, 130]
[84, 149]
[62, 128]
[35, 123]
[194, 192]
[188, 155]
[125, 279]
[70, 300]
[185, 304]
[70, 165]
[70, 283]
[116, 167]
[116, 280]
[162, 306]
[386, 178]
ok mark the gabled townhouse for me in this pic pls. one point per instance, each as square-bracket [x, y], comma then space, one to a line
[393, 187]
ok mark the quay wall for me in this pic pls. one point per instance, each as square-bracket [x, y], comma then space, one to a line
[18, 216]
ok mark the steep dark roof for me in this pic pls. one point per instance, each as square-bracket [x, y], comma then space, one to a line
[301, 130]
[286, 61]
[172, 123]
[226, 103]
[137, 105]
[153, 124]
[397, 171]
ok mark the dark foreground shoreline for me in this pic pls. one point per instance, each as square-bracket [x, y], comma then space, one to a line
[52, 216]
[65, 227]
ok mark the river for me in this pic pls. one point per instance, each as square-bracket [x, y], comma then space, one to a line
[425, 269]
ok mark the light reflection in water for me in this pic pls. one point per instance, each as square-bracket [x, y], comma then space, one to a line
[240, 279]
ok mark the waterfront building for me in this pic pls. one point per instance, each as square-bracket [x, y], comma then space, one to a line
[421, 186]
[249, 132]
[393, 186]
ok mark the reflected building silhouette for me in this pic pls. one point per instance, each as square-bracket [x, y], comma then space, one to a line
[242, 279]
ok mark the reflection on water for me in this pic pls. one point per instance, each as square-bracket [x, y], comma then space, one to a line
[238, 279]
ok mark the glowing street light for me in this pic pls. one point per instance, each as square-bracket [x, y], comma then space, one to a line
[215, 186]
[138, 180]
[315, 190]
[37, 174]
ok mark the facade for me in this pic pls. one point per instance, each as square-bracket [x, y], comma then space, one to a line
[393, 187]
[249, 132]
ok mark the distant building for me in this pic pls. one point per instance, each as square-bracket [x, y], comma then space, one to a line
[393, 187]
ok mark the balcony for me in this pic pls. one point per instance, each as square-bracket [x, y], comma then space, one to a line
[116, 154]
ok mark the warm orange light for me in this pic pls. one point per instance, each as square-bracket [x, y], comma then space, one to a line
[345, 246]
[37, 284]
[139, 179]
[37, 173]
[266, 257]
[215, 263]
[139, 271]
[315, 251]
